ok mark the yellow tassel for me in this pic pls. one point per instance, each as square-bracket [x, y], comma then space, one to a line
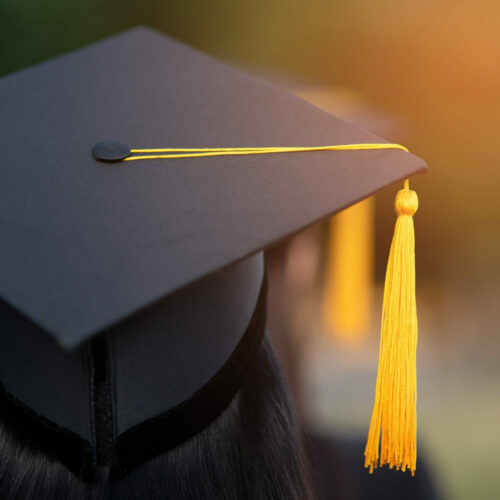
[347, 291]
[394, 418]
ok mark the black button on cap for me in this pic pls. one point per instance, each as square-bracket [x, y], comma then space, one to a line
[110, 151]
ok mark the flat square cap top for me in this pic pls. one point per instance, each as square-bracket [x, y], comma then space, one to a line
[85, 244]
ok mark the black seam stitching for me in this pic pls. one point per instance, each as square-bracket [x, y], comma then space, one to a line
[112, 390]
[92, 407]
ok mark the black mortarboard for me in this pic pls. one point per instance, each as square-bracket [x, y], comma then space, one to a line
[127, 288]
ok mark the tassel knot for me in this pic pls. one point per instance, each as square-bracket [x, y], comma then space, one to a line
[406, 202]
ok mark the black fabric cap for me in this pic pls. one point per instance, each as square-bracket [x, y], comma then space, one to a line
[132, 293]
[85, 244]
[143, 386]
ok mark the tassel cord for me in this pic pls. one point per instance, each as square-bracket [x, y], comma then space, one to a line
[173, 153]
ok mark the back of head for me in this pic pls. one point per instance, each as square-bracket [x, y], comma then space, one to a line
[184, 400]
[253, 451]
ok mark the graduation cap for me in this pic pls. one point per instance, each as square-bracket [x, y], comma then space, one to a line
[133, 293]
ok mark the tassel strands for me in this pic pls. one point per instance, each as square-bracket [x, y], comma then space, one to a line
[393, 426]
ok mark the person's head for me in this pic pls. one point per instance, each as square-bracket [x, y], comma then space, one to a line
[252, 450]
[184, 400]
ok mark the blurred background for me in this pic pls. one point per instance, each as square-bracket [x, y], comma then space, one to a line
[426, 74]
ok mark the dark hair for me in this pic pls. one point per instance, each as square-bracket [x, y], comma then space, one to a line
[252, 451]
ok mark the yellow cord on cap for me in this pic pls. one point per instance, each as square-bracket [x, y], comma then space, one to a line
[394, 419]
[171, 153]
